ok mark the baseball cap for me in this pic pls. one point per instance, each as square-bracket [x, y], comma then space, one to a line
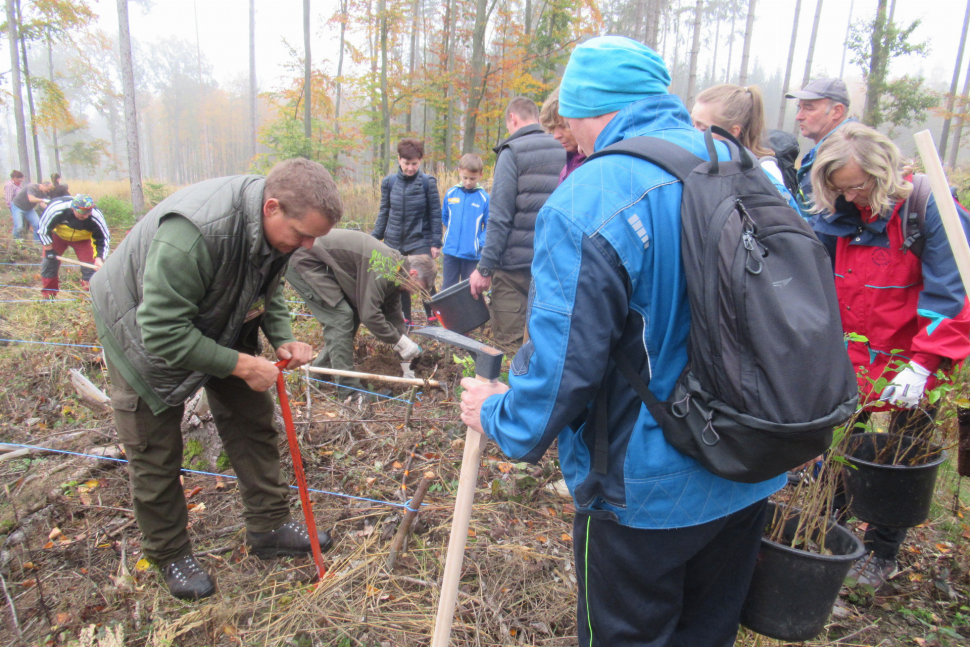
[833, 89]
[82, 201]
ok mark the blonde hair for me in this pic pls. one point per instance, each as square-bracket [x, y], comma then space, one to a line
[875, 154]
[549, 116]
[470, 162]
[742, 107]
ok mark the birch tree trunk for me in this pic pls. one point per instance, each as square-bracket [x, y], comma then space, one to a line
[18, 100]
[845, 43]
[385, 104]
[953, 84]
[695, 50]
[307, 85]
[476, 84]
[450, 92]
[30, 99]
[746, 50]
[131, 111]
[791, 58]
[717, 42]
[414, 50]
[811, 45]
[253, 116]
[958, 128]
[50, 69]
[727, 72]
[877, 65]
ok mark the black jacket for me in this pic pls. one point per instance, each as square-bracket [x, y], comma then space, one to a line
[526, 174]
[409, 219]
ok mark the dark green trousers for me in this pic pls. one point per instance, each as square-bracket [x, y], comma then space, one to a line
[153, 445]
[340, 324]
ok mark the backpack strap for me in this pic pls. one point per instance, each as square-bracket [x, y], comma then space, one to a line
[674, 159]
[913, 215]
[601, 442]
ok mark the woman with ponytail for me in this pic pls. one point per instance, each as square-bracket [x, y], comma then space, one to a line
[741, 112]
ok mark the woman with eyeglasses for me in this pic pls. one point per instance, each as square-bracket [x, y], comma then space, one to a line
[898, 287]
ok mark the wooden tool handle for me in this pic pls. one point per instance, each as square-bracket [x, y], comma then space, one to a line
[412, 381]
[467, 480]
[74, 262]
[944, 202]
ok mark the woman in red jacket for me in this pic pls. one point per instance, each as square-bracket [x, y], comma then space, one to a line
[898, 286]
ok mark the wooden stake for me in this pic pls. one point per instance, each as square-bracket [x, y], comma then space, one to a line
[373, 376]
[410, 409]
[73, 262]
[944, 202]
[409, 515]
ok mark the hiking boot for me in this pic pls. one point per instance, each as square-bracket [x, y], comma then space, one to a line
[291, 538]
[187, 580]
[872, 570]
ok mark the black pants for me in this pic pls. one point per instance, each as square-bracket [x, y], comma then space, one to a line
[879, 540]
[664, 588]
[456, 269]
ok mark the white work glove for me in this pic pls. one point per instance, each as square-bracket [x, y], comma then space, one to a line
[407, 349]
[406, 370]
[907, 387]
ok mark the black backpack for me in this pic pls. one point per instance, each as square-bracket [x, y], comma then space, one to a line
[769, 376]
[785, 146]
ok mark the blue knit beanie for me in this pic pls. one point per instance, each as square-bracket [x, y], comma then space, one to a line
[608, 73]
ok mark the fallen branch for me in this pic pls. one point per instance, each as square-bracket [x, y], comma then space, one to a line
[372, 376]
[91, 396]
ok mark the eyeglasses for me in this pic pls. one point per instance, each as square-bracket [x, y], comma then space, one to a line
[854, 189]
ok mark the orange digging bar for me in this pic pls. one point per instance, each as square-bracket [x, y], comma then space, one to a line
[311, 526]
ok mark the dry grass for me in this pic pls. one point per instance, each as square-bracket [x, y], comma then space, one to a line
[120, 189]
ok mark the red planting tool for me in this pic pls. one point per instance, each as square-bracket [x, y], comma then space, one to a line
[311, 525]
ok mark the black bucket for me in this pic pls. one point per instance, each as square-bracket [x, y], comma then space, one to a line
[896, 496]
[457, 309]
[792, 591]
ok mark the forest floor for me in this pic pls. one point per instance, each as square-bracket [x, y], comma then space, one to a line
[73, 573]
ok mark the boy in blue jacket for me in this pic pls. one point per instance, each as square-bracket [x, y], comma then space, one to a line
[464, 215]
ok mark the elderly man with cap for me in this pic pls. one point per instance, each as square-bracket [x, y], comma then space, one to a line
[75, 223]
[823, 106]
[664, 549]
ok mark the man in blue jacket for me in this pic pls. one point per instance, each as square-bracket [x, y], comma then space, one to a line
[664, 549]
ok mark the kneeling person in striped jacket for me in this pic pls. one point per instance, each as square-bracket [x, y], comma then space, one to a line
[76, 223]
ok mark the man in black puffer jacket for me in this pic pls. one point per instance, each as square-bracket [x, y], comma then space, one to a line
[526, 174]
[409, 220]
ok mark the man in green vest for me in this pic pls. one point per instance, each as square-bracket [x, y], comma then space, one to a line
[178, 307]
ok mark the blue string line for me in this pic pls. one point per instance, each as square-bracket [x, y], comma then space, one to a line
[24, 264]
[32, 287]
[48, 343]
[380, 395]
[228, 476]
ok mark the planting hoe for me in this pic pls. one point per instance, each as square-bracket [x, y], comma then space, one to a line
[488, 367]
